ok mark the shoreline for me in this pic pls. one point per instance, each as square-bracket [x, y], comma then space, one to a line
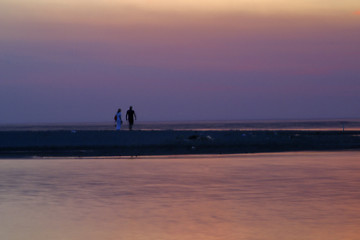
[24, 144]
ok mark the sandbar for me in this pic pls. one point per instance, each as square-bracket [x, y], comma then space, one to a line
[167, 142]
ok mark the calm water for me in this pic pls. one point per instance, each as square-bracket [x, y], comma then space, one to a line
[347, 124]
[259, 196]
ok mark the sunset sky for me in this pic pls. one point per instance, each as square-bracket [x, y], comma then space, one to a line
[78, 61]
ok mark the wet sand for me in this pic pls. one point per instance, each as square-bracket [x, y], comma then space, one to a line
[267, 196]
[134, 143]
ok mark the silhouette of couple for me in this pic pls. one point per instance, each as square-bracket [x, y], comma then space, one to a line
[130, 117]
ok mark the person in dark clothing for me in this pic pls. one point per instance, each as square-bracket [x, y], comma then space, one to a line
[130, 117]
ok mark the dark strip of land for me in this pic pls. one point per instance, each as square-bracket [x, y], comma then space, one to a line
[135, 143]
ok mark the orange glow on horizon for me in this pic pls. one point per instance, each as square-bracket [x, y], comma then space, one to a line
[357, 12]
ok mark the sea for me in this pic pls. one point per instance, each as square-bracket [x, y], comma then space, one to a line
[262, 196]
[332, 124]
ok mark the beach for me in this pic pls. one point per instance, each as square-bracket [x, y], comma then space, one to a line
[271, 196]
[170, 142]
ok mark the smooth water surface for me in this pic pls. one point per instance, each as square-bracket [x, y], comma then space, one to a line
[257, 196]
[319, 125]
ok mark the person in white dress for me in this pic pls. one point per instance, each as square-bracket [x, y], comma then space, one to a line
[118, 119]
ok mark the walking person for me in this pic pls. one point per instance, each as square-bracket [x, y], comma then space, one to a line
[118, 119]
[130, 117]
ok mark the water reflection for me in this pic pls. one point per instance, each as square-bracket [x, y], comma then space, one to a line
[259, 196]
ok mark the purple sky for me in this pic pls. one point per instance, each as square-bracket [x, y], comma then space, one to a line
[174, 65]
